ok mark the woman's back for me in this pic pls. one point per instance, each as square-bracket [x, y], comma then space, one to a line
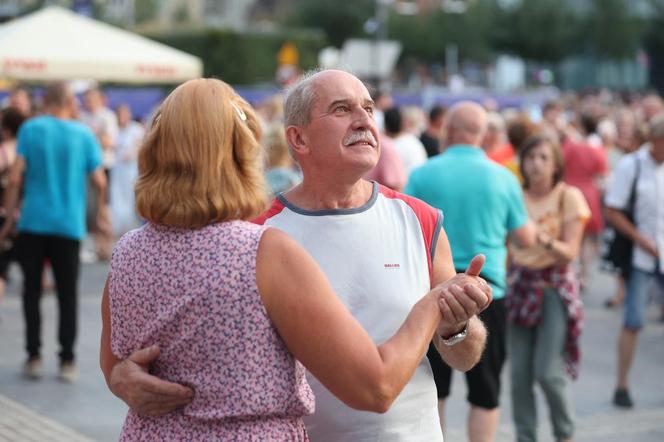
[194, 293]
[583, 165]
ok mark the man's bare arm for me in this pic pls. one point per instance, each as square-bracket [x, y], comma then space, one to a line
[623, 225]
[467, 295]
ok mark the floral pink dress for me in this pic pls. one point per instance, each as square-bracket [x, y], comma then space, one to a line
[194, 293]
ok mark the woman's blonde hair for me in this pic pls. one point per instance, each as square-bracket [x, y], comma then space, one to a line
[201, 159]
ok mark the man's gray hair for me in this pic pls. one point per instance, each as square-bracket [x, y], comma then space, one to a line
[299, 100]
[657, 126]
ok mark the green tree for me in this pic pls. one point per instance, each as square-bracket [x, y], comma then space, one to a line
[654, 44]
[538, 30]
[241, 58]
[610, 30]
[653, 36]
[338, 21]
[417, 36]
[425, 36]
[145, 11]
[181, 15]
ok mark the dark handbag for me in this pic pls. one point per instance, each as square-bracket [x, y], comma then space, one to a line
[617, 249]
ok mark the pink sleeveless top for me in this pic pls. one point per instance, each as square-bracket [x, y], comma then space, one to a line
[194, 293]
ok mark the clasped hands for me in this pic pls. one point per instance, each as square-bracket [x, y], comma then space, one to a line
[462, 297]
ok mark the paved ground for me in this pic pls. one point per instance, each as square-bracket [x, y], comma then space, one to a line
[50, 410]
[18, 423]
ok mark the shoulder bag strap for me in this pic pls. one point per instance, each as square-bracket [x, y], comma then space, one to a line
[632, 194]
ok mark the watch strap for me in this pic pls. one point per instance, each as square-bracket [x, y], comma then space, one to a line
[455, 339]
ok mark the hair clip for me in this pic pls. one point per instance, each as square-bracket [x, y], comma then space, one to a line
[240, 112]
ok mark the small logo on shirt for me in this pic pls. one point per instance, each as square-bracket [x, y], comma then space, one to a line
[392, 266]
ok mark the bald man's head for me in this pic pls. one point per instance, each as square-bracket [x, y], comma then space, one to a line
[465, 124]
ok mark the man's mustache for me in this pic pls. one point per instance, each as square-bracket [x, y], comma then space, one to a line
[360, 135]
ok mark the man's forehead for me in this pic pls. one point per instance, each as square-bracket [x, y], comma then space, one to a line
[339, 86]
[324, 100]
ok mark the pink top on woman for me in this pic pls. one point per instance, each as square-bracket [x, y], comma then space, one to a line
[194, 293]
[585, 163]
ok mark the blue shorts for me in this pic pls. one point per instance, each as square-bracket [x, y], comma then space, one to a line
[636, 296]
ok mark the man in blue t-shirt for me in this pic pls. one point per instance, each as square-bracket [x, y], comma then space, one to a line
[482, 204]
[55, 158]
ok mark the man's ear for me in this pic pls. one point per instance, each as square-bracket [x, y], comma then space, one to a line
[296, 140]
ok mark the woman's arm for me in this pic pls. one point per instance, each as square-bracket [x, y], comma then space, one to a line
[575, 214]
[107, 359]
[321, 333]
[524, 236]
[7, 155]
[567, 247]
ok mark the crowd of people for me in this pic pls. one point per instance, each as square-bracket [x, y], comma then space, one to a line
[576, 166]
[216, 324]
[56, 160]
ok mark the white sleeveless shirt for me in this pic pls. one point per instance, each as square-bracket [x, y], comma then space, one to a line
[378, 258]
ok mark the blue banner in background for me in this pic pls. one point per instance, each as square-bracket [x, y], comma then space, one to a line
[141, 101]
[83, 7]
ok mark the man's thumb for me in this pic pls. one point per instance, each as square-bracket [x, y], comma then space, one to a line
[475, 266]
[145, 355]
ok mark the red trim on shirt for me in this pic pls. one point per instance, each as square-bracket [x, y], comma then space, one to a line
[276, 208]
[426, 215]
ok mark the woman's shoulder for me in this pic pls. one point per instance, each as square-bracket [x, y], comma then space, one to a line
[235, 226]
[239, 232]
[570, 192]
[130, 239]
[573, 200]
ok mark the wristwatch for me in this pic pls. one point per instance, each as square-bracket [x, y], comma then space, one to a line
[455, 339]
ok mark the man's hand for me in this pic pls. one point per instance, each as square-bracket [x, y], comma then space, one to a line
[462, 297]
[647, 245]
[146, 394]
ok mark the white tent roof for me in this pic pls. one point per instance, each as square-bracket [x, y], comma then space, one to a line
[57, 44]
